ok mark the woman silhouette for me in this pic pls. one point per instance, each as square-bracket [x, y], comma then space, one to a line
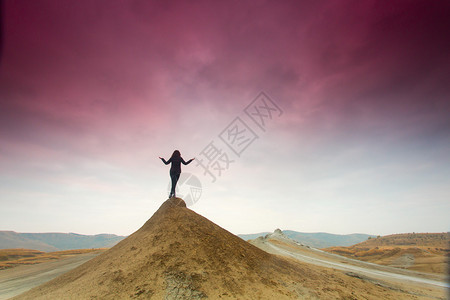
[175, 169]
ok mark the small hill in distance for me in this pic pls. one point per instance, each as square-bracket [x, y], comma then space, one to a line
[316, 239]
[50, 242]
[179, 254]
[425, 252]
[437, 240]
[12, 240]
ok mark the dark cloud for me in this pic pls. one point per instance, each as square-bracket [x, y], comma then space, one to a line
[353, 63]
[94, 88]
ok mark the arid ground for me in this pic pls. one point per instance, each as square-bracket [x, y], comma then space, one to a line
[179, 254]
[23, 277]
[424, 252]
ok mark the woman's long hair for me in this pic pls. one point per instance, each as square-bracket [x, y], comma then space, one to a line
[176, 154]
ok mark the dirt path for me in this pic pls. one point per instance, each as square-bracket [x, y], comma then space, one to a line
[370, 272]
[22, 278]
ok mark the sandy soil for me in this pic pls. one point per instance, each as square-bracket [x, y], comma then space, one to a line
[22, 278]
[423, 252]
[416, 284]
[179, 254]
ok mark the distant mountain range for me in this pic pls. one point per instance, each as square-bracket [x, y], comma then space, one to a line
[56, 241]
[67, 241]
[317, 239]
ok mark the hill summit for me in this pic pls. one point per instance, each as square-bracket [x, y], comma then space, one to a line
[179, 254]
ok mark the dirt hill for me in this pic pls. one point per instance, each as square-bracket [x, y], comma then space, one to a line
[432, 240]
[426, 252]
[178, 254]
[316, 239]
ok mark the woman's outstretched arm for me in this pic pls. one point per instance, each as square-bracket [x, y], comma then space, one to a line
[164, 161]
[187, 162]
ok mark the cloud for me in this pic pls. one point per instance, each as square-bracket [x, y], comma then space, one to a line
[360, 84]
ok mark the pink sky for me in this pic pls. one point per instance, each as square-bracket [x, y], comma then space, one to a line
[92, 92]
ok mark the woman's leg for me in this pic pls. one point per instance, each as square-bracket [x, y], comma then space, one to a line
[174, 178]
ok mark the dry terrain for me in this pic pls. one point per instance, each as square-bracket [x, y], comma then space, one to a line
[412, 284]
[179, 254]
[425, 252]
[22, 277]
[10, 258]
